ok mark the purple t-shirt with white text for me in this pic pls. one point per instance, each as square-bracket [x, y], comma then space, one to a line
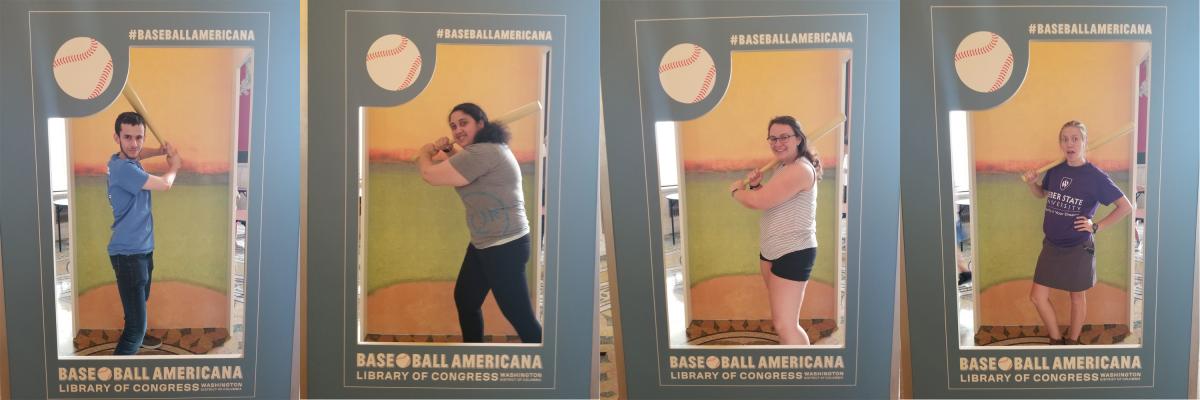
[1071, 192]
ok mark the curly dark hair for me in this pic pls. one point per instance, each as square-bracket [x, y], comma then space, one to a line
[491, 132]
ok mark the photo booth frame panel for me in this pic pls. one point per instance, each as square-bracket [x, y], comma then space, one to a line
[643, 32]
[936, 90]
[1115, 307]
[33, 32]
[341, 34]
[215, 302]
[719, 313]
[529, 131]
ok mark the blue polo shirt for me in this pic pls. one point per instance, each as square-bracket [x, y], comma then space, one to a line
[133, 224]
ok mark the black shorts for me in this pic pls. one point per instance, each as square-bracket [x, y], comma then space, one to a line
[794, 266]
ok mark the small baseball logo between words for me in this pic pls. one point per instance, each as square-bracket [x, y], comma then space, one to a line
[82, 68]
[1064, 183]
[687, 73]
[393, 62]
[984, 61]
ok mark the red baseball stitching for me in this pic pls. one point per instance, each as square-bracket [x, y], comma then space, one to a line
[102, 83]
[1004, 70]
[995, 40]
[682, 63]
[389, 52]
[708, 78]
[412, 71]
[77, 57]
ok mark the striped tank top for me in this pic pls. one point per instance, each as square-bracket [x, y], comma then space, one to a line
[791, 225]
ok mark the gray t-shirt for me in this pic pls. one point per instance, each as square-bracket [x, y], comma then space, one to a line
[494, 200]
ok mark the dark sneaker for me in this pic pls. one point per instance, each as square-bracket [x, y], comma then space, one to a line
[1057, 342]
[1070, 342]
[151, 342]
[964, 278]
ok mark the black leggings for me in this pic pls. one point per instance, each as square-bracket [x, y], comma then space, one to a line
[501, 270]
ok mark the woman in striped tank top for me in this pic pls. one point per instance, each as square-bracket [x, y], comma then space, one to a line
[787, 228]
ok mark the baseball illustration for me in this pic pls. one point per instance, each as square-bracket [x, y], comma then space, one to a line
[403, 360]
[712, 362]
[83, 68]
[1004, 363]
[393, 62]
[984, 61]
[687, 73]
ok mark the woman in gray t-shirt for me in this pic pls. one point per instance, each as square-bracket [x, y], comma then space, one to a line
[488, 180]
[787, 229]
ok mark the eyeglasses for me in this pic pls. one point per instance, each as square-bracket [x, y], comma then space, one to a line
[774, 139]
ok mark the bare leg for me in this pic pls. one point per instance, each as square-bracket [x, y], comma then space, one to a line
[1040, 296]
[764, 268]
[786, 298]
[1078, 312]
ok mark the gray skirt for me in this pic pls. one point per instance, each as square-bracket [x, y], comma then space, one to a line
[1067, 268]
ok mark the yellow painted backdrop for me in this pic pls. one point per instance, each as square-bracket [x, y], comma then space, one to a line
[1094, 82]
[416, 233]
[722, 145]
[190, 94]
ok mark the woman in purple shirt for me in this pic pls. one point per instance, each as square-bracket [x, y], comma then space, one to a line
[1073, 190]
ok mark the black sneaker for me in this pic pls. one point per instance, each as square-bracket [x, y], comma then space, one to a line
[151, 342]
[964, 278]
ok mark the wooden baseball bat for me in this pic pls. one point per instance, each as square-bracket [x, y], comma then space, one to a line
[140, 108]
[519, 112]
[821, 133]
[515, 114]
[1091, 146]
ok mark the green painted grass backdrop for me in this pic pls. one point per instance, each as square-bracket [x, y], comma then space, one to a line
[192, 224]
[722, 235]
[417, 232]
[1009, 233]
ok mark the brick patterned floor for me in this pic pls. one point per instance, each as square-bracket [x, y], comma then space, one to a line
[751, 332]
[185, 341]
[992, 335]
[375, 337]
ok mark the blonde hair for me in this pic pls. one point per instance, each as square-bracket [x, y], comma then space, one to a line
[1074, 124]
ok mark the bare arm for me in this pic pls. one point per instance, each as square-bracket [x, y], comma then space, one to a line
[155, 152]
[785, 184]
[1034, 184]
[167, 180]
[438, 174]
[1124, 207]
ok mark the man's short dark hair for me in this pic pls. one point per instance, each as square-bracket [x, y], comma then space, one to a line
[128, 118]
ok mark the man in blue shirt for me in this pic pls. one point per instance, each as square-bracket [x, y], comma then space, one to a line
[131, 247]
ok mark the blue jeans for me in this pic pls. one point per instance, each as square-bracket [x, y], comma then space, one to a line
[133, 284]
